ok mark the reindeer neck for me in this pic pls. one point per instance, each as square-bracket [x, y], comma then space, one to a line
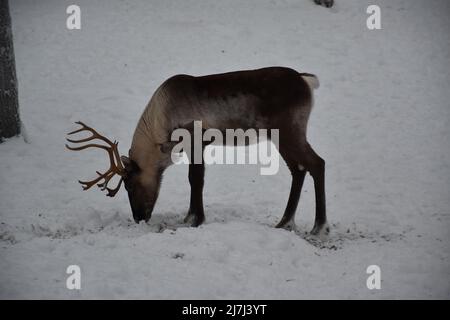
[149, 134]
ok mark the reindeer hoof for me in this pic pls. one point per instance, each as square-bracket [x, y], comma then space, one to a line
[188, 219]
[197, 223]
[287, 225]
[194, 220]
[321, 231]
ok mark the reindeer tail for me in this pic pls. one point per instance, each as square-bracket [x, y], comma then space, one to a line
[311, 79]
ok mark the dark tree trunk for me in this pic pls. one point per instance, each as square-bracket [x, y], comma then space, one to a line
[9, 104]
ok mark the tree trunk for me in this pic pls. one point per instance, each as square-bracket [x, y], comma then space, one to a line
[9, 104]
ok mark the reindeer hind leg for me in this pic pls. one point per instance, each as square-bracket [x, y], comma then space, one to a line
[298, 176]
[316, 167]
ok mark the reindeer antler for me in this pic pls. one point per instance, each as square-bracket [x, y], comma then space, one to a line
[116, 166]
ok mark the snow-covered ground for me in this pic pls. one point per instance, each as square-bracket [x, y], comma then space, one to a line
[381, 121]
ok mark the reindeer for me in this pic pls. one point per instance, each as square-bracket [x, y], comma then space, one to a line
[270, 98]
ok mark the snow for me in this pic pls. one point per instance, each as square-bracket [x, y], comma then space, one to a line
[381, 122]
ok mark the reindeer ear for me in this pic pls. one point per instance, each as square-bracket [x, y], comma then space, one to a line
[126, 161]
[129, 165]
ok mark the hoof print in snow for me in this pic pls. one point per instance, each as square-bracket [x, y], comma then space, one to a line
[178, 255]
[161, 227]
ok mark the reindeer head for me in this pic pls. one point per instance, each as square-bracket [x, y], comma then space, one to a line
[142, 186]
